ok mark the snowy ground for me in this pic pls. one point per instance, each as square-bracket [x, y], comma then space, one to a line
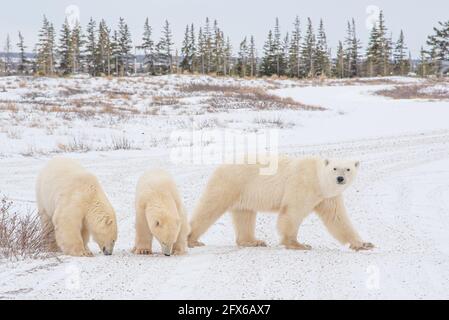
[399, 202]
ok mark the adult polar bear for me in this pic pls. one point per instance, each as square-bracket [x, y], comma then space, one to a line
[72, 207]
[299, 187]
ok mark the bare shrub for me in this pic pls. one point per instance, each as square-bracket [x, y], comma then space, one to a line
[21, 235]
[8, 106]
[236, 97]
[14, 133]
[121, 143]
[74, 145]
[276, 122]
[165, 101]
[415, 91]
[32, 151]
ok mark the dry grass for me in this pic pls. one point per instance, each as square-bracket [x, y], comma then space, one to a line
[14, 133]
[235, 97]
[21, 236]
[414, 91]
[165, 101]
[74, 145]
[8, 106]
[274, 122]
[121, 143]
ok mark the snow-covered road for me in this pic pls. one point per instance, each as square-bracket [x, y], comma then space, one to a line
[400, 202]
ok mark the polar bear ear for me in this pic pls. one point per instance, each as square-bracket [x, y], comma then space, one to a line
[356, 164]
[107, 220]
[326, 162]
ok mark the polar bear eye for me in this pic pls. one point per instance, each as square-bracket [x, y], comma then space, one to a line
[348, 170]
[335, 169]
[157, 223]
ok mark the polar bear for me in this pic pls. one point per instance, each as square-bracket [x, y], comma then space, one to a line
[72, 207]
[300, 186]
[159, 213]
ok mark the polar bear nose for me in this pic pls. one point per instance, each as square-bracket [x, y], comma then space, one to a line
[340, 179]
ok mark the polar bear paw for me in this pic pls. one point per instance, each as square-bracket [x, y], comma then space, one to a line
[361, 246]
[194, 243]
[145, 251]
[251, 243]
[297, 246]
[80, 253]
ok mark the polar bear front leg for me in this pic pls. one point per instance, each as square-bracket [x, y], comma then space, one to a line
[144, 238]
[48, 230]
[245, 227]
[68, 233]
[86, 237]
[332, 212]
[180, 246]
[288, 226]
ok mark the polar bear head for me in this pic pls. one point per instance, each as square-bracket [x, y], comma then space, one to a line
[335, 175]
[164, 224]
[104, 232]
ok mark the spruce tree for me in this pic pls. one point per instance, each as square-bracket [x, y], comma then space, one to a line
[91, 47]
[201, 51]
[339, 68]
[227, 66]
[124, 46]
[267, 67]
[7, 54]
[45, 51]
[354, 54]
[423, 66]
[322, 60]
[277, 49]
[165, 47]
[308, 52]
[385, 46]
[252, 56]
[207, 37]
[185, 51]
[23, 61]
[218, 50]
[192, 49]
[401, 62]
[104, 51]
[242, 59]
[439, 45]
[65, 49]
[77, 45]
[148, 47]
[373, 53]
[294, 50]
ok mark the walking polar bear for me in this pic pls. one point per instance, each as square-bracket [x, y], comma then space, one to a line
[159, 213]
[72, 207]
[299, 187]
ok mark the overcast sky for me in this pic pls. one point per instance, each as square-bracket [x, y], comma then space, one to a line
[237, 18]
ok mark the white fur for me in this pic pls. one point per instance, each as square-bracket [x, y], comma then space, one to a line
[73, 207]
[299, 187]
[159, 213]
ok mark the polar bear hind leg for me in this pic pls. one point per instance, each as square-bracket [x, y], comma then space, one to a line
[245, 226]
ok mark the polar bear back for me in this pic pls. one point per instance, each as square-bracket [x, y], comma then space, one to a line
[62, 179]
[157, 183]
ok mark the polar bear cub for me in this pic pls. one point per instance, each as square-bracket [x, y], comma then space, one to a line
[159, 213]
[72, 207]
[299, 187]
